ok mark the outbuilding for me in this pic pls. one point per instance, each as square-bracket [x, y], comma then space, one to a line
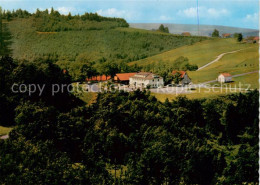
[224, 78]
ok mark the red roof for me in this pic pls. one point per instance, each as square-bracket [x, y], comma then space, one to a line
[226, 35]
[186, 34]
[123, 76]
[181, 72]
[99, 78]
[256, 38]
[226, 74]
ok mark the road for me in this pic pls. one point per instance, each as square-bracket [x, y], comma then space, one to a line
[217, 59]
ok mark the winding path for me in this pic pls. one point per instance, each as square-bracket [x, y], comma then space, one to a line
[218, 58]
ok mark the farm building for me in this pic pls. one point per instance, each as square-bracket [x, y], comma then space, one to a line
[123, 77]
[186, 34]
[146, 79]
[252, 39]
[224, 77]
[256, 39]
[100, 78]
[185, 79]
[226, 35]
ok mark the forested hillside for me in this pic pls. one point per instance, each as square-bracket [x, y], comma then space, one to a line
[123, 138]
[72, 41]
[93, 36]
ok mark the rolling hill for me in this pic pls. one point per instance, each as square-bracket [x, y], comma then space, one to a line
[101, 42]
[242, 61]
[205, 30]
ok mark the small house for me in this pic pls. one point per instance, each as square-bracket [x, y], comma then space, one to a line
[186, 34]
[123, 78]
[185, 79]
[224, 78]
[256, 39]
[226, 35]
[146, 79]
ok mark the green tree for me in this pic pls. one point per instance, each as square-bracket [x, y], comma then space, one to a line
[215, 33]
[177, 78]
[239, 37]
[163, 29]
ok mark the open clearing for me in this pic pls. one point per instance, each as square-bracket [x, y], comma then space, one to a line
[5, 130]
[236, 63]
[199, 53]
[196, 94]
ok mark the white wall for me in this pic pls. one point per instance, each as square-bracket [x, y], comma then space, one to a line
[153, 83]
[223, 79]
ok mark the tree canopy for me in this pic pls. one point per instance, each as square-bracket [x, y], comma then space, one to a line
[124, 137]
[215, 33]
[163, 29]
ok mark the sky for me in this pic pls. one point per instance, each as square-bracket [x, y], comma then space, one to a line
[235, 13]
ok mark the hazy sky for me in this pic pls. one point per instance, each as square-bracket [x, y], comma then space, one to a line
[237, 13]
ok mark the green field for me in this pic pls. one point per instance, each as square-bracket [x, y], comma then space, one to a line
[199, 53]
[236, 63]
[196, 94]
[5, 130]
[245, 60]
[87, 97]
[250, 81]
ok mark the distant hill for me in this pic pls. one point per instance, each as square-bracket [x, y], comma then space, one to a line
[205, 30]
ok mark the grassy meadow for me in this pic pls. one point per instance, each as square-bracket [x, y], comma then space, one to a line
[199, 53]
[5, 130]
[196, 94]
[235, 63]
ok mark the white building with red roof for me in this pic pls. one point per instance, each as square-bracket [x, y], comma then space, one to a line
[146, 79]
[224, 78]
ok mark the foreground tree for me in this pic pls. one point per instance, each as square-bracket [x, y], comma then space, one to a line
[239, 37]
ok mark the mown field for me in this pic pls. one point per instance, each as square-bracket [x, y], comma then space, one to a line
[199, 53]
[236, 63]
[101, 42]
[248, 81]
[245, 60]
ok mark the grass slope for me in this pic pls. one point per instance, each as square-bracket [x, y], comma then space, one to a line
[125, 44]
[5, 130]
[199, 53]
[236, 63]
[204, 52]
[199, 93]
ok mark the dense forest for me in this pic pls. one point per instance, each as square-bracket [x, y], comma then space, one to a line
[122, 138]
